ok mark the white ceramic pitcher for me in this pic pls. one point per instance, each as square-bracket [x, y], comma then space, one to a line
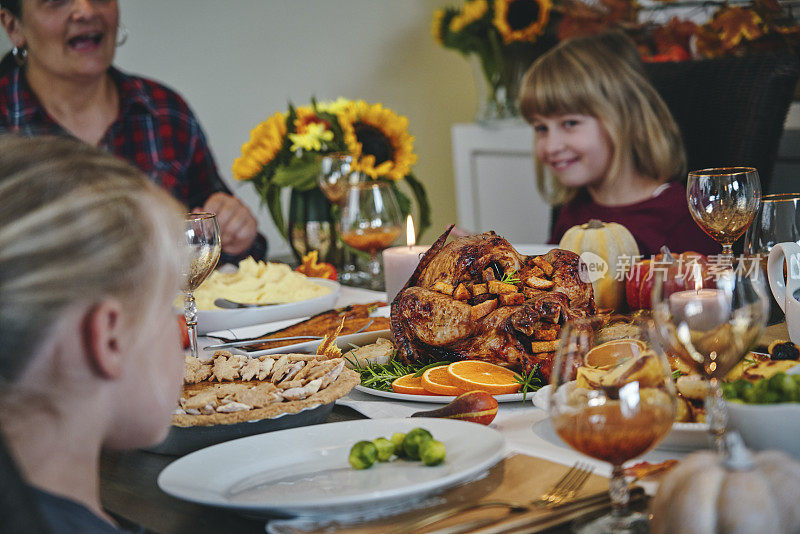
[784, 289]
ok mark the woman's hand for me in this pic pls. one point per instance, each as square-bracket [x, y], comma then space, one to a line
[237, 226]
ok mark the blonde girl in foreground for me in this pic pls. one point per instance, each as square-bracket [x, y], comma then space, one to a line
[89, 265]
[610, 146]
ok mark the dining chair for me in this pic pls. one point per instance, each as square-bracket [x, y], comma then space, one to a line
[18, 511]
[731, 110]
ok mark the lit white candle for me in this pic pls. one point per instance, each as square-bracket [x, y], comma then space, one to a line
[701, 310]
[399, 262]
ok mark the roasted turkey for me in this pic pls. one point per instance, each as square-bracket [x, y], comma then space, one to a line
[476, 298]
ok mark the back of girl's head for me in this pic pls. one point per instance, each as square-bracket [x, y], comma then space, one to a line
[76, 225]
[601, 76]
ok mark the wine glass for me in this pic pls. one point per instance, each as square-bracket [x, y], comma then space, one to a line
[723, 202]
[371, 221]
[202, 237]
[777, 221]
[613, 399]
[334, 176]
[711, 328]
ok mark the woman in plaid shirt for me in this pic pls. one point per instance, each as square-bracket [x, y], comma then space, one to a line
[59, 81]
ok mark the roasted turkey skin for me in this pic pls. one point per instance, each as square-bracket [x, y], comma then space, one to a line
[430, 325]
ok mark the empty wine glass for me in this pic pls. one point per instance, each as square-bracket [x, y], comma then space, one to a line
[334, 176]
[371, 221]
[613, 399]
[711, 328]
[204, 247]
[723, 202]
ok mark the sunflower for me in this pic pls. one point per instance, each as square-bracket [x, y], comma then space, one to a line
[473, 10]
[334, 107]
[265, 142]
[436, 26]
[378, 140]
[314, 134]
[521, 20]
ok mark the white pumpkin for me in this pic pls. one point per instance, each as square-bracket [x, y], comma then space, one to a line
[603, 247]
[743, 494]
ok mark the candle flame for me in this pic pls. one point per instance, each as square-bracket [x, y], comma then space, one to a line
[411, 237]
[697, 274]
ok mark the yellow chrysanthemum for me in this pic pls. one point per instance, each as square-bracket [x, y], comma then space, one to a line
[473, 10]
[436, 26]
[265, 142]
[378, 139]
[335, 107]
[521, 20]
[312, 137]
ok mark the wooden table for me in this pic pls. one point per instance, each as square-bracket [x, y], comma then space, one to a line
[128, 489]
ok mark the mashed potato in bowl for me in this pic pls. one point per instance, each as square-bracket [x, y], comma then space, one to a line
[258, 282]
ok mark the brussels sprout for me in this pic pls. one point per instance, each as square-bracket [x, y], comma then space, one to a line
[413, 440]
[397, 441]
[363, 455]
[431, 452]
[741, 386]
[729, 390]
[385, 449]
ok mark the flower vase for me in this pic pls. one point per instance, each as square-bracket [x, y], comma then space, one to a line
[498, 84]
[312, 226]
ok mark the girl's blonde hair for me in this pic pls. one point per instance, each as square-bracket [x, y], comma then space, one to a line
[76, 225]
[601, 76]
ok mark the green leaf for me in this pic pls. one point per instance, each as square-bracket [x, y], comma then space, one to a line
[422, 204]
[300, 174]
[402, 201]
[272, 198]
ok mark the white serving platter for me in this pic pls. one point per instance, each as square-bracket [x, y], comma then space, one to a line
[213, 320]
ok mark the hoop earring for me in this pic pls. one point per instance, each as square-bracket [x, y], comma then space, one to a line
[20, 54]
[122, 34]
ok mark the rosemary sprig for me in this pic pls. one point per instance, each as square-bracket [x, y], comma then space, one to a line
[531, 381]
[510, 278]
[676, 374]
[381, 375]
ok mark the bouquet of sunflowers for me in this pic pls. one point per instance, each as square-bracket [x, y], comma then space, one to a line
[285, 151]
[506, 36]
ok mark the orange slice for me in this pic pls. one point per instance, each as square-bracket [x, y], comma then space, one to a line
[438, 380]
[610, 353]
[473, 375]
[409, 384]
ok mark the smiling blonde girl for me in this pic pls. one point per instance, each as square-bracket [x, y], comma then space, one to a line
[606, 145]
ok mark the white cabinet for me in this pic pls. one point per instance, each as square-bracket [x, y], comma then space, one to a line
[495, 182]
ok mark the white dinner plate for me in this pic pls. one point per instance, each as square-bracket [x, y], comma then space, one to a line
[438, 399]
[212, 320]
[683, 437]
[304, 471]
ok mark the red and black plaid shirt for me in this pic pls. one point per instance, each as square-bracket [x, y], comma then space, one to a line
[155, 130]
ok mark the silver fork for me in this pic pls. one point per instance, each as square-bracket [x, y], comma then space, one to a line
[561, 492]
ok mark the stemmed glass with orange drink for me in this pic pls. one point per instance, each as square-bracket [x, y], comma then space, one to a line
[613, 400]
[371, 221]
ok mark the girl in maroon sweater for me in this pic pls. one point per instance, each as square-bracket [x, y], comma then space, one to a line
[608, 146]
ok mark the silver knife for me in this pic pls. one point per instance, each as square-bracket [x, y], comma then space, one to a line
[257, 342]
[261, 341]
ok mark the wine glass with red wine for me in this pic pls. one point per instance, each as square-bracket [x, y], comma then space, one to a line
[371, 221]
[613, 399]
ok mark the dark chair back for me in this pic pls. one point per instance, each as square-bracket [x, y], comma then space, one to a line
[730, 110]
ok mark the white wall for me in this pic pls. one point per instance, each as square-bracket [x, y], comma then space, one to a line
[238, 61]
